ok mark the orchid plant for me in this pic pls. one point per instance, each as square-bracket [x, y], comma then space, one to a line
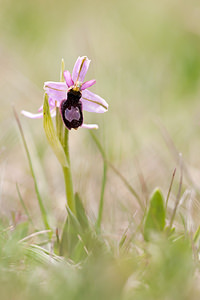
[66, 100]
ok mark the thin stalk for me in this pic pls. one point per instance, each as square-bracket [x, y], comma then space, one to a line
[178, 194]
[63, 135]
[104, 178]
[142, 183]
[170, 187]
[23, 204]
[196, 235]
[127, 184]
[101, 202]
[40, 202]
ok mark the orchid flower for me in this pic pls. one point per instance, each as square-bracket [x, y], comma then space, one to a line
[72, 96]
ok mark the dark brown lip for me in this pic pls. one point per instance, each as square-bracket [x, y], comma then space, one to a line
[73, 100]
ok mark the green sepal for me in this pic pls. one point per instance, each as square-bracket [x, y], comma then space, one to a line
[59, 126]
[51, 134]
[155, 219]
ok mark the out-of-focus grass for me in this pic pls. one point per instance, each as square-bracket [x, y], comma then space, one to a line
[163, 269]
[145, 57]
[146, 60]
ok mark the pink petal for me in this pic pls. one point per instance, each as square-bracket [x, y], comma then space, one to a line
[93, 103]
[87, 84]
[57, 91]
[90, 126]
[80, 68]
[36, 116]
[60, 86]
[68, 78]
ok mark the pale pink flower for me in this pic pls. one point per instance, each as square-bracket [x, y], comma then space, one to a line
[73, 96]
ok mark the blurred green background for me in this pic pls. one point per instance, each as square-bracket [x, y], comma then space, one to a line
[145, 57]
[146, 60]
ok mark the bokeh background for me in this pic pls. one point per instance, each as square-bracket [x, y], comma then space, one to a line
[146, 60]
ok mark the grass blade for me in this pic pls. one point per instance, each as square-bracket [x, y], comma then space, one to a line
[40, 202]
[178, 194]
[129, 187]
[23, 204]
[101, 202]
[104, 178]
[170, 187]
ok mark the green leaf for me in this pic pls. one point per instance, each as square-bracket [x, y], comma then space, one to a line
[81, 215]
[70, 234]
[80, 251]
[51, 134]
[155, 219]
[41, 255]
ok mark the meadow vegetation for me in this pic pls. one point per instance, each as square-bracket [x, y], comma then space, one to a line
[143, 162]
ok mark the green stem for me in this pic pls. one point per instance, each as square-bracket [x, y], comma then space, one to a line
[69, 189]
[63, 135]
[66, 144]
[68, 175]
